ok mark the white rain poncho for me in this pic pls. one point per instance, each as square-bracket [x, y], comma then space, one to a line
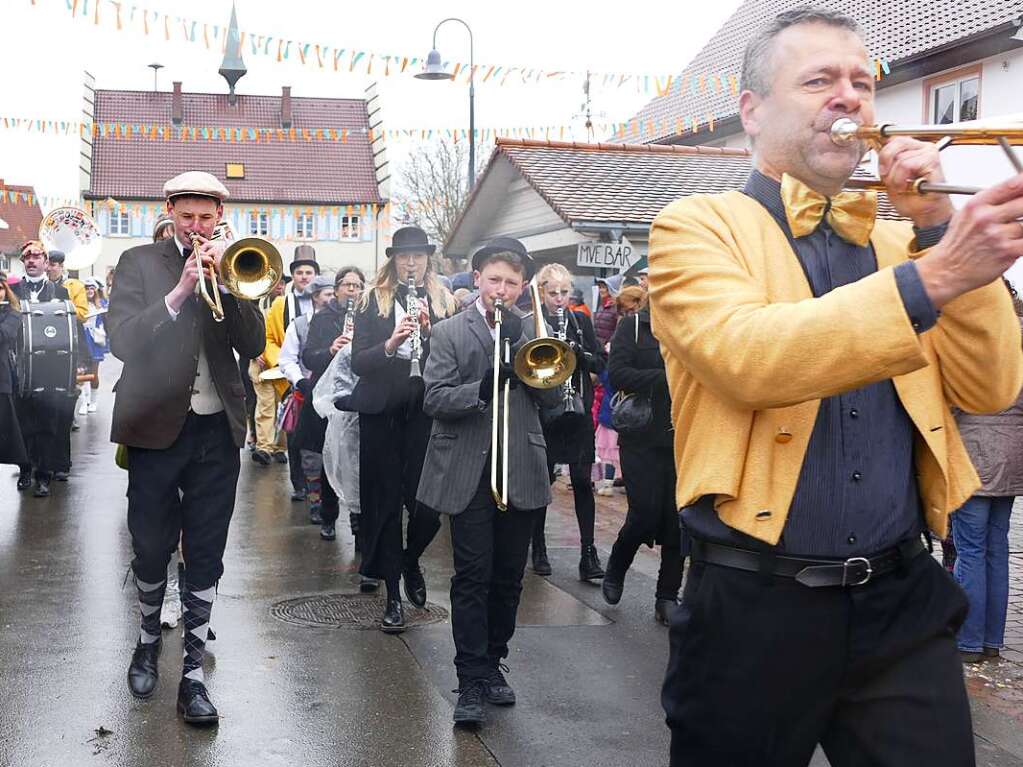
[341, 443]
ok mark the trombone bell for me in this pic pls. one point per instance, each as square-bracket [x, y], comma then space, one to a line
[544, 362]
[250, 268]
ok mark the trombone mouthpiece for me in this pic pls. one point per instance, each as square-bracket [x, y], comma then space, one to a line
[844, 130]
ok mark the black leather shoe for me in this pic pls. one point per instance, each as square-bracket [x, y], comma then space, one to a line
[415, 583]
[194, 703]
[611, 587]
[541, 565]
[327, 532]
[143, 671]
[499, 692]
[280, 457]
[61, 476]
[469, 709]
[42, 488]
[261, 457]
[315, 517]
[663, 608]
[589, 565]
[368, 585]
[25, 480]
[393, 621]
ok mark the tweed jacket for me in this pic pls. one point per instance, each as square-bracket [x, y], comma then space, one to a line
[462, 351]
[749, 354]
[160, 354]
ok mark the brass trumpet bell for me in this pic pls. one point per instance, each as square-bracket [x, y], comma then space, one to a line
[250, 268]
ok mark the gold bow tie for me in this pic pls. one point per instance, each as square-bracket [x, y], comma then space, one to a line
[850, 214]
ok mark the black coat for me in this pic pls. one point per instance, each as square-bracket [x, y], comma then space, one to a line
[324, 327]
[635, 366]
[383, 381]
[10, 345]
[570, 440]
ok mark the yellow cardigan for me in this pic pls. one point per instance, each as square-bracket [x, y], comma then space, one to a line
[749, 353]
[274, 339]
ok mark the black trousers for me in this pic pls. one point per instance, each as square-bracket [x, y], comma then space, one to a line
[295, 472]
[763, 669]
[582, 494]
[391, 452]
[329, 504]
[250, 395]
[489, 548]
[65, 419]
[649, 474]
[40, 417]
[186, 491]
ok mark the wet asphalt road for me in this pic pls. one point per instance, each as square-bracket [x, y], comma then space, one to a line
[587, 675]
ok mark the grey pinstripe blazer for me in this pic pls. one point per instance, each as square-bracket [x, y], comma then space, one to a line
[461, 351]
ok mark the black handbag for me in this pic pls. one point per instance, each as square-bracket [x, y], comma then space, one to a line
[631, 412]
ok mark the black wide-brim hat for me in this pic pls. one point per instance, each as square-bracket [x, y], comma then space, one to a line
[505, 245]
[410, 239]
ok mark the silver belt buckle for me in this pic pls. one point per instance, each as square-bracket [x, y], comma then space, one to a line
[856, 560]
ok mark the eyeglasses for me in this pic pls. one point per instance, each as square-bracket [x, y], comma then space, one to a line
[355, 285]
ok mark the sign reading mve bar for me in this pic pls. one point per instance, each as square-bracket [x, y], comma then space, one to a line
[606, 255]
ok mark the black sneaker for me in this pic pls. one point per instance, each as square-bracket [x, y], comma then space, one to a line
[499, 692]
[261, 457]
[469, 709]
[25, 480]
[61, 476]
[42, 488]
[280, 457]
[327, 532]
[315, 517]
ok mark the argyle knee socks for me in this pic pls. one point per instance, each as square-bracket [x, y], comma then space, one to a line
[150, 602]
[196, 625]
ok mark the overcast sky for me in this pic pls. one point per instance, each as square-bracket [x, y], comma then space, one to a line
[46, 50]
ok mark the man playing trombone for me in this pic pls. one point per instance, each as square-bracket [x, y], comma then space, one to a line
[180, 412]
[489, 545]
[813, 356]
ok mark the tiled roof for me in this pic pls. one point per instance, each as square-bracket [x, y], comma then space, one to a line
[622, 182]
[894, 31]
[22, 219]
[317, 171]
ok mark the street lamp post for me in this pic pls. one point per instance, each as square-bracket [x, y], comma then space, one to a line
[435, 71]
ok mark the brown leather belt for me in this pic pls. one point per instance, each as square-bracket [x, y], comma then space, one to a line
[814, 573]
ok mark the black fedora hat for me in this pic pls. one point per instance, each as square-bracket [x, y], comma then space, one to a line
[410, 239]
[505, 245]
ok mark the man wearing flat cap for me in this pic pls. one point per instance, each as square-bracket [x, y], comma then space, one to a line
[180, 413]
[489, 546]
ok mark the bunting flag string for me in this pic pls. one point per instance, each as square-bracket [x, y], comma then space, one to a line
[140, 20]
[630, 131]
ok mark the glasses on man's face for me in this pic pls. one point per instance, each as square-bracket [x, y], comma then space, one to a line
[351, 285]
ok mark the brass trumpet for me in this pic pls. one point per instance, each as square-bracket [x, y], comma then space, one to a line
[845, 131]
[249, 269]
[543, 362]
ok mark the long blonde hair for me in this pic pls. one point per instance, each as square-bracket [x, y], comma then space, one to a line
[386, 283]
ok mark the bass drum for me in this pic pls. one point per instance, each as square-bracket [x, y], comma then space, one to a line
[50, 340]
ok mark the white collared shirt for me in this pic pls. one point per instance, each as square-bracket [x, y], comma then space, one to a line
[483, 310]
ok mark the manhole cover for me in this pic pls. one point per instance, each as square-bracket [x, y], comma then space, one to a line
[350, 611]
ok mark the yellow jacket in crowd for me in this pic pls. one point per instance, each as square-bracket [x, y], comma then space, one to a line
[749, 354]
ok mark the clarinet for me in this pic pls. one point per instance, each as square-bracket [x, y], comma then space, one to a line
[349, 330]
[412, 309]
[567, 389]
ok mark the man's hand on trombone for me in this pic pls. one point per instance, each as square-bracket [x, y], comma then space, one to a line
[901, 162]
